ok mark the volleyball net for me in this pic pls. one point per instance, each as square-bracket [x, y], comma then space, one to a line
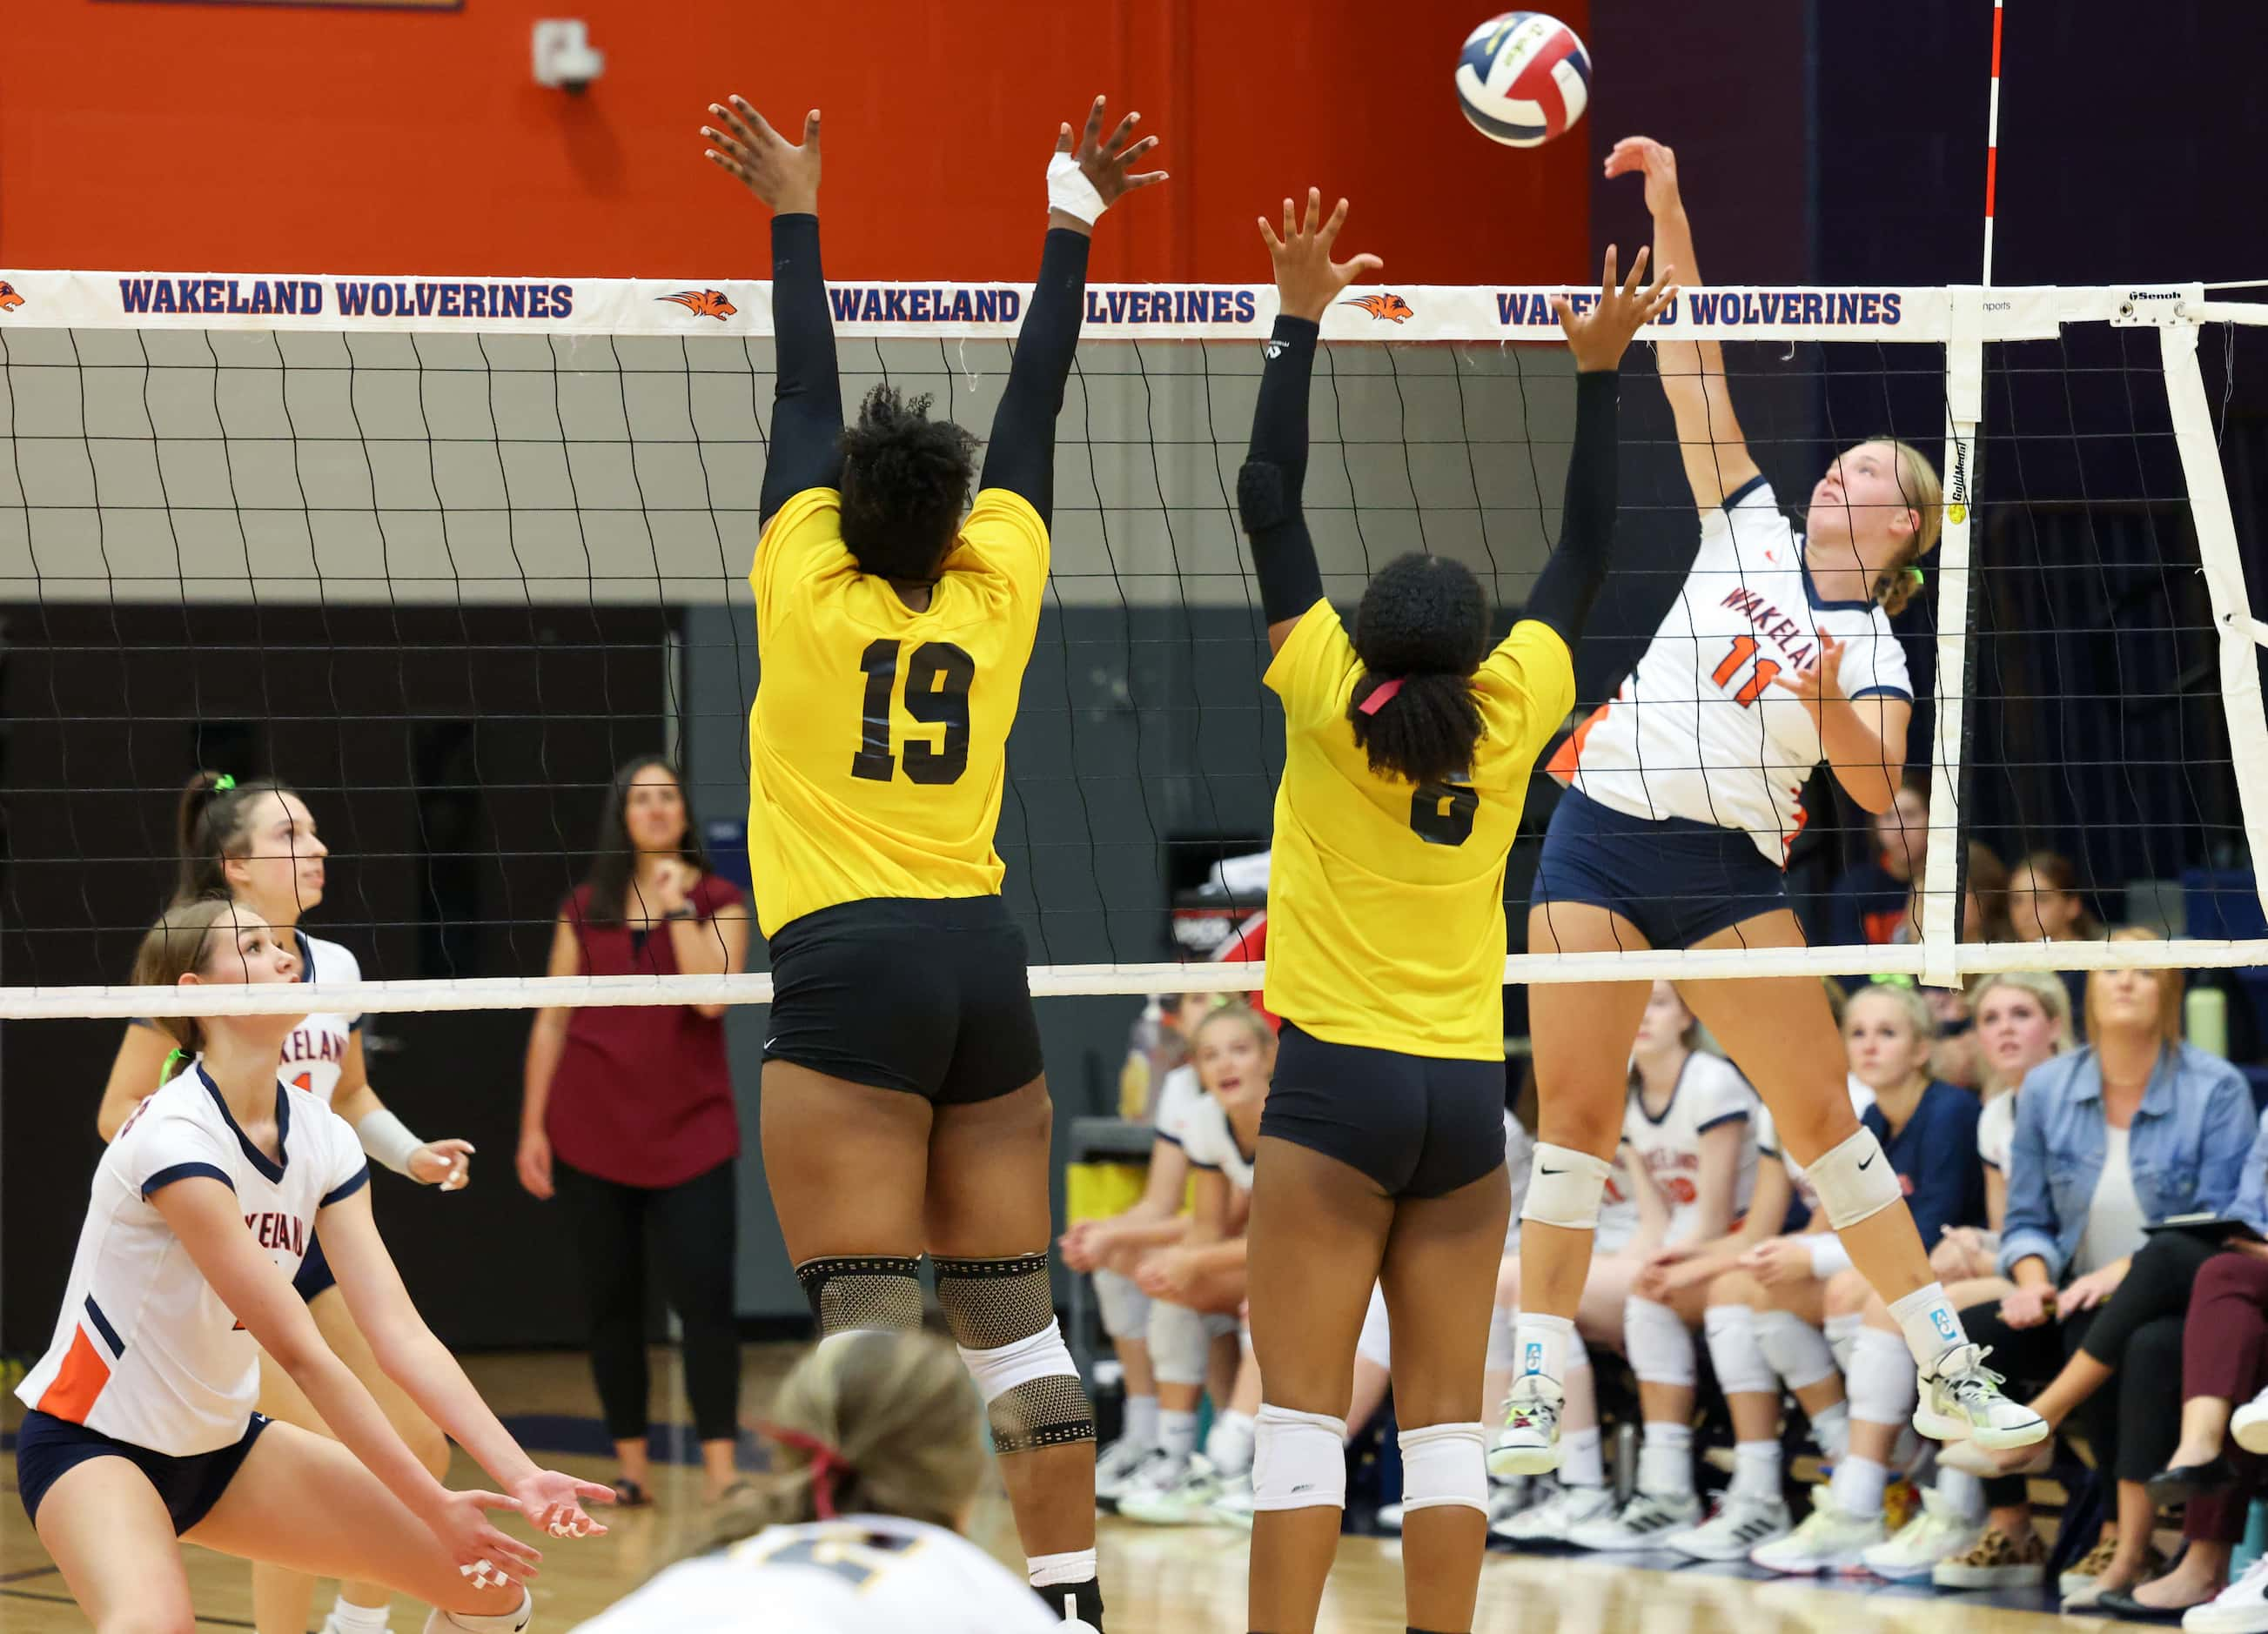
[443, 554]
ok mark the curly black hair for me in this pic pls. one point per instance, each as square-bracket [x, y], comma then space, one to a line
[1423, 622]
[905, 481]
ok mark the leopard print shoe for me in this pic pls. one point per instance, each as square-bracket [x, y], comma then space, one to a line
[1996, 1561]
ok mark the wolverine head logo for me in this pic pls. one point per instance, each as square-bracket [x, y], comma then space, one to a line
[704, 303]
[9, 299]
[1393, 308]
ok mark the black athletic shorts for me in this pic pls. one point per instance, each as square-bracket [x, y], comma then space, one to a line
[900, 992]
[1418, 1125]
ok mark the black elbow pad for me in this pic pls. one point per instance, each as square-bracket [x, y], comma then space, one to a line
[1260, 494]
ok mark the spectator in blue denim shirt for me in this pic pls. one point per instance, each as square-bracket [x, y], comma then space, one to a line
[2134, 1127]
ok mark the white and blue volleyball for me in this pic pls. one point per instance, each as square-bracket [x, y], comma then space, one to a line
[1523, 79]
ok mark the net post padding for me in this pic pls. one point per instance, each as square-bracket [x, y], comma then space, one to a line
[2234, 625]
[1964, 406]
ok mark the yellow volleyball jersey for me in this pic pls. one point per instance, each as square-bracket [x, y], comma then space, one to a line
[877, 745]
[1386, 899]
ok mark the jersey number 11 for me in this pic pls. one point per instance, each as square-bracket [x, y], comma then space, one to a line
[938, 678]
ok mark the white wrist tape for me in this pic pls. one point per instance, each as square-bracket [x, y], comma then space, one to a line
[388, 1139]
[1071, 192]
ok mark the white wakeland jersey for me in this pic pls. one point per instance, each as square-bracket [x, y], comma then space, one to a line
[1210, 1143]
[1699, 731]
[315, 1050]
[1617, 1209]
[1996, 1129]
[1178, 1098]
[143, 1350]
[857, 1574]
[1708, 1092]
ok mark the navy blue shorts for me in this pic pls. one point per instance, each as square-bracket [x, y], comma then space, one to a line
[1677, 880]
[314, 1275]
[1420, 1126]
[48, 1448]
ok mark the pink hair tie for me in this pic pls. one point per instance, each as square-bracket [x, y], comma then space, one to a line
[825, 1461]
[1381, 696]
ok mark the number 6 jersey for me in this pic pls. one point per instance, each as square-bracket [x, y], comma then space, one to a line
[1699, 731]
[877, 745]
[1386, 900]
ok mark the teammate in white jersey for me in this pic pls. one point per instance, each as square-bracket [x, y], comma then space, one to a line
[1776, 654]
[877, 1456]
[142, 1427]
[256, 842]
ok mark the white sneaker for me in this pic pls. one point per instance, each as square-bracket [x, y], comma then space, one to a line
[1740, 1525]
[1389, 1518]
[1160, 1471]
[1828, 1540]
[1939, 1533]
[1960, 1400]
[1507, 1498]
[1558, 1511]
[1184, 1502]
[2239, 1609]
[2248, 1427]
[1529, 1444]
[1116, 1465]
[1232, 1505]
[1975, 1457]
[1647, 1521]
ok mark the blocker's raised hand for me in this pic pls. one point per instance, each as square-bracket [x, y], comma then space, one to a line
[1308, 280]
[1108, 167]
[776, 170]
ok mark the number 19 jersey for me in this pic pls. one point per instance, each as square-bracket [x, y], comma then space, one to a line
[878, 744]
[1700, 730]
[1386, 900]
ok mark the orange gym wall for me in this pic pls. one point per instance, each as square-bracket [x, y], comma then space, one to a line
[252, 137]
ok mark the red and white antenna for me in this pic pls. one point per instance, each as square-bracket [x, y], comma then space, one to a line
[1993, 142]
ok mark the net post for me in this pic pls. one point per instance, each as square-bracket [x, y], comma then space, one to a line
[1964, 403]
[2223, 568]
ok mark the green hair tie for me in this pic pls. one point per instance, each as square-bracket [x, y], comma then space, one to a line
[1894, 979]
[1916, 574]
[166, 1072]
[222, 783]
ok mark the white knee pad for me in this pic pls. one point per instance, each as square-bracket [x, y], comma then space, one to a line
[1375, 1343]
[1882, 1386]
[1854, 1181]
[1125, 1309]
[1220, 1325]
[1742, 1369]
[1032, 1391]
[1299, 1460]
[1177, 1344]
[504, 1622]
[1565, 1188]
[1659, 1345]
[1797, 1351]
[1445, 1465]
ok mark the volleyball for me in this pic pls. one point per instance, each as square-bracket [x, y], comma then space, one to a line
[1523, 79]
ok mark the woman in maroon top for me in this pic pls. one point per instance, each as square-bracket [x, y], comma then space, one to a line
[629, 1116]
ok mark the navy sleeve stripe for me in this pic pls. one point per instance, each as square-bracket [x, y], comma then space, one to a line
[1171, 1140]
[1209, 1168]
[1882, 692]
[1743, 491]
[166, 1177]
[102, 1326]
[346, 1187]
[1730, 1117]
[1988, 1164]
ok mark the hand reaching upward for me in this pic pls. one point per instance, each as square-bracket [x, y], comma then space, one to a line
[776, 170]
[1308, 280]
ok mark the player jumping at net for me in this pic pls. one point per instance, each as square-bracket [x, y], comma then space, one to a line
[1684, 790]
[1408, 750]
[256, 842]
[141, 1428]
[904, 1105]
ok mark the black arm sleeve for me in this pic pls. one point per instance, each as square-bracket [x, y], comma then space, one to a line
[1021, 456]
[1275, 470]
[1570, 581]
[807, 400]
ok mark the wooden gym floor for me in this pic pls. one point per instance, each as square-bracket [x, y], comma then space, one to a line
[1188, 1580]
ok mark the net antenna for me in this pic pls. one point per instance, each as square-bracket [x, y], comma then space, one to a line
[618, 377]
